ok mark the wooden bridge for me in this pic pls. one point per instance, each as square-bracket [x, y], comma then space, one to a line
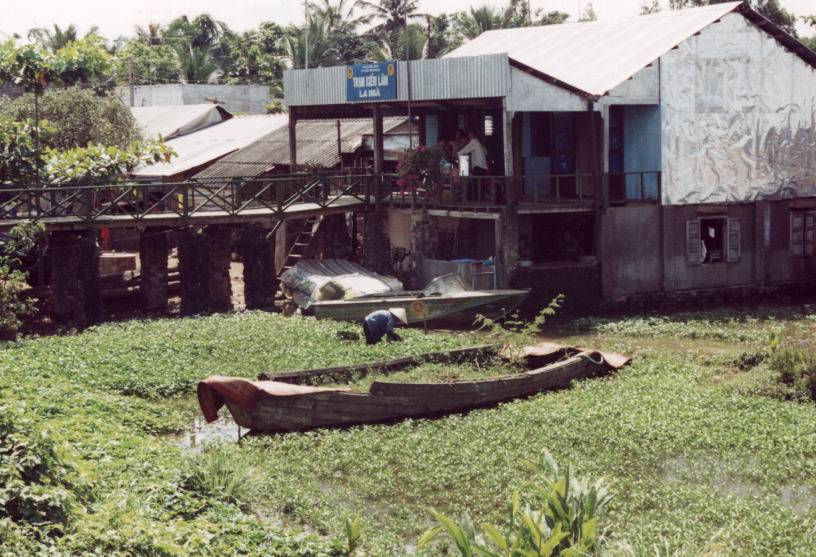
[266, 201]
[198, 203]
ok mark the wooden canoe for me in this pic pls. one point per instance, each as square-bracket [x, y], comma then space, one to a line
[281, 407]
[338, 373]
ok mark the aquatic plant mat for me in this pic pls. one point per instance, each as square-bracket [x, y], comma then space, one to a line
[705, 450]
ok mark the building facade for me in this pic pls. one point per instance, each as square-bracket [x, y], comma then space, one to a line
[671, 153]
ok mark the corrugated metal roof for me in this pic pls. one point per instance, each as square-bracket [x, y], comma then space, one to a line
[594, 57]
[174, 121]
[316, 146]
[433, 79]
[214, 142]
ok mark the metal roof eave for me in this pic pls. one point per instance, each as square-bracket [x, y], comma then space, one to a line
[554, 81]
[791, 43]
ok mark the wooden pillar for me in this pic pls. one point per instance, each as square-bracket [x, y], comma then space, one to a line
[192, 254]
[153, 251]
[421, 130]
[260, 278]
[75, 281]
[597, 180]
[219, 285]
[507, 141]
[292, 140]
[376, 243]
[507, 237]
[378, 139]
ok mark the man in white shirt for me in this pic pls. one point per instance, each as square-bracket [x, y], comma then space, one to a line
[478, 155]
[478, 167]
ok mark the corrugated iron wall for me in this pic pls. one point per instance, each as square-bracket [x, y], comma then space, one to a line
[438, 79]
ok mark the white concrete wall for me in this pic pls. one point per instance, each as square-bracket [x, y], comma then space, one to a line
[738, 117]
[238, 99]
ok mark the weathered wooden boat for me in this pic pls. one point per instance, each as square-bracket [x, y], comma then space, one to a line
[460, 307]
[474, 354]
[273, 406]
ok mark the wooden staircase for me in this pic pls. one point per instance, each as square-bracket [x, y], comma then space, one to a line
[302, 241]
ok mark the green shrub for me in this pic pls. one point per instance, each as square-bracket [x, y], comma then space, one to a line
[219, 473]
[36, 490]
[796, 369]
[558, 517]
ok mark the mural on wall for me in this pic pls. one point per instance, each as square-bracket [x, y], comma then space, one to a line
[739, 118]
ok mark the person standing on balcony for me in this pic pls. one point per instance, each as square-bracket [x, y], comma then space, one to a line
[478, 164]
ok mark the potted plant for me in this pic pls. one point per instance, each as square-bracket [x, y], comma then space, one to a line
[419, 169]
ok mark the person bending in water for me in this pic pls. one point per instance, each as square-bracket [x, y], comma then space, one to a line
[378, 324]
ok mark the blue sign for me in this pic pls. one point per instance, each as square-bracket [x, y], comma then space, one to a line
[371, 82]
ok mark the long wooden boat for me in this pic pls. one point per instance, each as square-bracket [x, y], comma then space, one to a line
[341, 373]
[455, 308]
[272, 406]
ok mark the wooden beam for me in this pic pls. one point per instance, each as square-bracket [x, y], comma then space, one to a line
[507, 141]
[292, 140]
[378, 139]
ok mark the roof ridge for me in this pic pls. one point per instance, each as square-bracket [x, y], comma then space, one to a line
[663, 14]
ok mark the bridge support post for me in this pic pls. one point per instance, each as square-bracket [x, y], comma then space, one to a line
[204, 262]
[153, 251]
[218, 277]
[258, 254]
[376, 243]
[507, 246]
[334, 241]
[424, 240]
[192, 254]
[75, 281]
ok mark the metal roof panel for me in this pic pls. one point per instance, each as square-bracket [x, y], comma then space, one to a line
[596, 56]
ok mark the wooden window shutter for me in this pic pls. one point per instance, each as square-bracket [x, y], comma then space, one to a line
[694, 252]
[734, 241]
[810, 233]
[797, 233]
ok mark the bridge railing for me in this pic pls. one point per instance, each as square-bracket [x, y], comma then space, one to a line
[138, 201]
[275, 195]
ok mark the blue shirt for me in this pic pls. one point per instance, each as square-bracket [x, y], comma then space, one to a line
[380, 323]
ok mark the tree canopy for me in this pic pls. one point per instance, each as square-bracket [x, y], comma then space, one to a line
[201, 48]
[79, 117]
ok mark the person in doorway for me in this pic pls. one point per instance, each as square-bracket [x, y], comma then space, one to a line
[378, 324]
[478, 165]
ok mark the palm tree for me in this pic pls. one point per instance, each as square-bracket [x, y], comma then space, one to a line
[56, 38]
[469, 25]
[393, 15]
[197, 65]
[409, 44]
[152, 34]
[322, 51]
[337, 16]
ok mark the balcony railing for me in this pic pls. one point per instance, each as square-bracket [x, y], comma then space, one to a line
[554, 190]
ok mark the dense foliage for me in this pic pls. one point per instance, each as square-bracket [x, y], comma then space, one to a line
[77, 118]
[700, 460]
[558, 517]
[204, 49]
[14, 303]
[72, 157]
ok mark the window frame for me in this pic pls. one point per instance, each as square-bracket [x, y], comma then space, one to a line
[802, 237]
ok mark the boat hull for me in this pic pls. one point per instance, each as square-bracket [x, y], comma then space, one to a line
[459, 309]
[394, 401]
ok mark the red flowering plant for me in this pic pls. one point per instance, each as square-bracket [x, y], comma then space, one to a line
[419, 168]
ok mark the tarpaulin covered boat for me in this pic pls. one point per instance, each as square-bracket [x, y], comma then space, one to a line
[351, 296]
[275, 406]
